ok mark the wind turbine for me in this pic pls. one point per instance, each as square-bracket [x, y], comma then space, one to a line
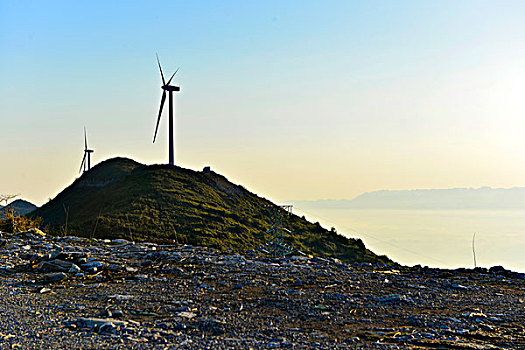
[170, 88]
[87, 154]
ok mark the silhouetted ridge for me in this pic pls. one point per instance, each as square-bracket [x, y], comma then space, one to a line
[20, 207]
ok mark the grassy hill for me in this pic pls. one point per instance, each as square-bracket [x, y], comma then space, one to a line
[120, 198]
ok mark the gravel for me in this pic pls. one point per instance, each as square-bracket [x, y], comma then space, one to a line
[77, 293]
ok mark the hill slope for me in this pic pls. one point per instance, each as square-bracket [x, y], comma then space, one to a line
[120, 198]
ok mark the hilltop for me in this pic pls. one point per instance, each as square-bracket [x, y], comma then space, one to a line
[20, 207]
[433, 199]
[120, 198]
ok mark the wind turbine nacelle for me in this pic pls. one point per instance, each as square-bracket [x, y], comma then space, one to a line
[171, 88]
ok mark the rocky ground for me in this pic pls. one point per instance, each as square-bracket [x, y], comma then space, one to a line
[77, 293]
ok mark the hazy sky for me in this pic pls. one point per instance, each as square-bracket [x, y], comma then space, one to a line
[292, 99]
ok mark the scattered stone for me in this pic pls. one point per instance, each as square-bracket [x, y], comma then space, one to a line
[121, 294]
[458, 286]
[119, 297]
[395, 298]
[53, 277]
[117, 314]
[102, 324]
[74, 269]
[37, 231]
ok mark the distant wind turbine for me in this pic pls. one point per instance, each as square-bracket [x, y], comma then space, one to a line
[87, 154]
[170, 88]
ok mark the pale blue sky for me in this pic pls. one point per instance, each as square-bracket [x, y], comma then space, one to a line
[295, 100]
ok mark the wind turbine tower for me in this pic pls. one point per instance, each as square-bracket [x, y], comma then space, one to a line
[85, 166]
[170, 88]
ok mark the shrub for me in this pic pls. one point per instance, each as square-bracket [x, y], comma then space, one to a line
[11, 222]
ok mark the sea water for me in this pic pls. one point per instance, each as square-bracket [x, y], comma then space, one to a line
[435, 238]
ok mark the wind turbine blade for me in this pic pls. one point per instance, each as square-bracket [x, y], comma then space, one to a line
[161, 73]
[82, 164]
[169, 81]
[85, 138]
[160, 113]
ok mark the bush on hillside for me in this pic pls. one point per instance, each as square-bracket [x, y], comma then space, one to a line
[10, 222]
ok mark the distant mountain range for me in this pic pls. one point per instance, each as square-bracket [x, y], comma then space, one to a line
[20, 206]
[431, 199]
